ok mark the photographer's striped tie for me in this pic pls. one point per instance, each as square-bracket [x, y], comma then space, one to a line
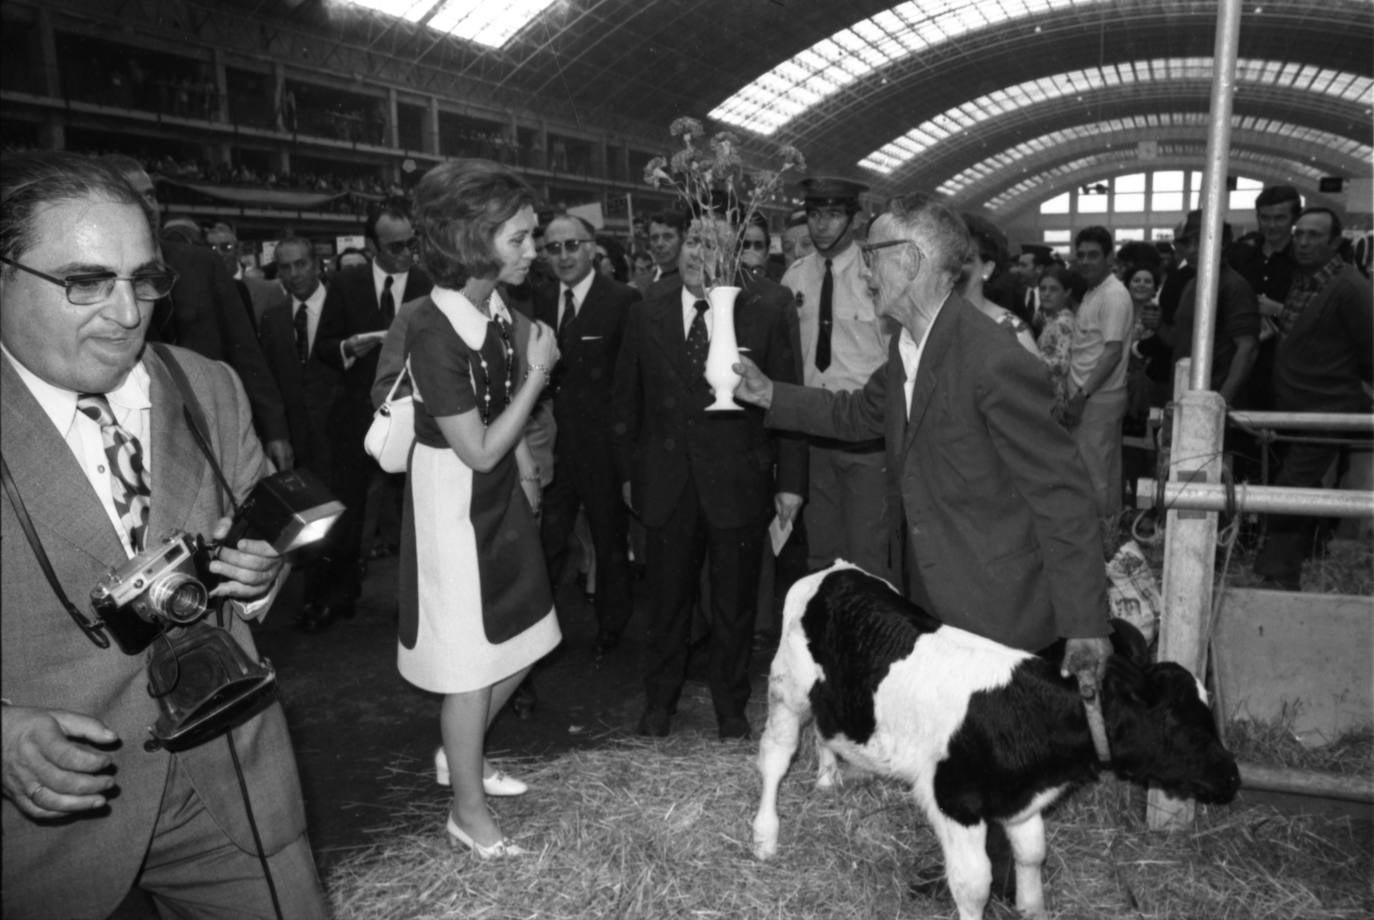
[128, 478]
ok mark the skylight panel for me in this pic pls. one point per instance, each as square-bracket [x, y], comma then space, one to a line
[835, 62]
[1056, 139]
[968, 115]
[966, 19]
[486, 22]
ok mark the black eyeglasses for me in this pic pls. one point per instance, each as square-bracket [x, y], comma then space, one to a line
[866, 250]
[401, 247]
[760, 245]
[568, 246]
[225, 247]
[92, 288]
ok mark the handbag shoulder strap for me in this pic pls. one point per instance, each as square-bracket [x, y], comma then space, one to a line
[401, 377]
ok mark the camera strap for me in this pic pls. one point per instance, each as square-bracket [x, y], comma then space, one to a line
[94, 631]
[195, 416]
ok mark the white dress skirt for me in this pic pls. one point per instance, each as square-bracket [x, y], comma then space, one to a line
[475, 604]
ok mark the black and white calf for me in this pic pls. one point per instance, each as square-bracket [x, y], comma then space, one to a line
[982, 732]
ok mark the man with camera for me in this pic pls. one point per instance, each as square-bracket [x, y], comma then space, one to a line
[101, 466]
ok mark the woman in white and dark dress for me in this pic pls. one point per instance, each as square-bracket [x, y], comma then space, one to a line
[475, 606]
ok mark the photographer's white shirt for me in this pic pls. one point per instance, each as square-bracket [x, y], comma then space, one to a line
[132, 408]
[132, 405]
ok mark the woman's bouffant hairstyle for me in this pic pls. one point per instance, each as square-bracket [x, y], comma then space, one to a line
[1131, 268]
[457, 208]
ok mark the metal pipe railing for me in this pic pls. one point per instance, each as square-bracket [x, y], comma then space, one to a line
[1204, 496]
[1291, 421]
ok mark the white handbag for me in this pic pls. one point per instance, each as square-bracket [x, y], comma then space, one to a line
[392, 431]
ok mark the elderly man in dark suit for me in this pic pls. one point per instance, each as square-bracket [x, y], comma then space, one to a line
[360, 306]
[93, 431]
[703, 483]
[991, 501]
[588, 310]
[290, 332]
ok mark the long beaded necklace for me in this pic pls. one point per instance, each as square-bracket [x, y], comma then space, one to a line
[509, 351]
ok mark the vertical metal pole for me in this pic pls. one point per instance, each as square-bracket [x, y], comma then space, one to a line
[1190, 536]
[1214, 194]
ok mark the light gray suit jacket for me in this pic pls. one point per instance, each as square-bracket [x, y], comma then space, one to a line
[84, 866]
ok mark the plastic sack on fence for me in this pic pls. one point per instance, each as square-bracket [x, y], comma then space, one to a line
[1132, 592]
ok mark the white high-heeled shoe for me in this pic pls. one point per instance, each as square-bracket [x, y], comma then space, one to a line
[498, 784]
[501, 849]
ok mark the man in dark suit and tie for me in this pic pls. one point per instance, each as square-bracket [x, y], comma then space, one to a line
[360, 305]
[93, 431]
[289, 330]
[257, 293]
[703, 483]
[1030, 265]
[588, 310]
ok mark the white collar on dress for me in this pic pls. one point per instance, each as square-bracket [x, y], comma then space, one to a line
[467, 320]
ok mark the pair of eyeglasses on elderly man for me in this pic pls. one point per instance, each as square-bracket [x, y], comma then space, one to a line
[86, 288]
[866, 250]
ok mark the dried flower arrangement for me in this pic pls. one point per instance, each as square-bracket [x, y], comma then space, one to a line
[722, 198]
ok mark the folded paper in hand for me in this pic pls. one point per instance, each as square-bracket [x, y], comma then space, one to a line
[778, 532]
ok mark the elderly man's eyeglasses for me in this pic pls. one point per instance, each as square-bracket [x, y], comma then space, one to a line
[556, 248]
[401, 247]
[867, 249]
[92, 288]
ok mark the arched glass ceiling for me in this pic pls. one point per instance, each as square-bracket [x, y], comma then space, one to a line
[892, 156]
[1055, 140]
[830, 65]
[482, 21]
[1072, 168]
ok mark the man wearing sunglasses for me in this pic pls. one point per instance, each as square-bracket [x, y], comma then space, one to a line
[842, 342]
[358, 309]
[104, 463]
[257, 293]
[588, 311]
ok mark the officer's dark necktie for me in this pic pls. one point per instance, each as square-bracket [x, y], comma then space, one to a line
[301, 322]
[124, 456]
[569, 313]
[827, 319]
[388, 302]
[698, 342]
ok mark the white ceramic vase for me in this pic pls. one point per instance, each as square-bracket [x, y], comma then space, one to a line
[723, 354]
